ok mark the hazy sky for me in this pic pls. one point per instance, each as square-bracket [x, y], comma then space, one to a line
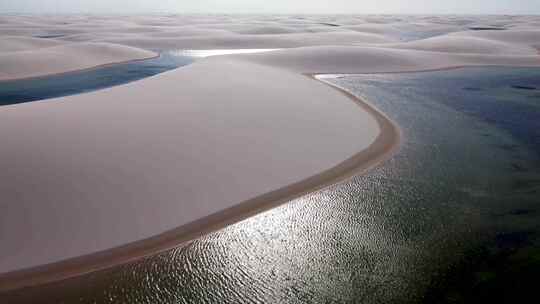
[274, 6]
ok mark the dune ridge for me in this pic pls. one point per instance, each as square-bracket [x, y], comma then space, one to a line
[41, 61]
[18, 43]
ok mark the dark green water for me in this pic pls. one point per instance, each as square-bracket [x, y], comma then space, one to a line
[452, 217]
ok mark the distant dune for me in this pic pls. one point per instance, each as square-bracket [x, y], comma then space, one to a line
[380, 59]
[63, 58]
[446, 34]
[522, 37]
[231, 41]
[20, 43]
[475, 44]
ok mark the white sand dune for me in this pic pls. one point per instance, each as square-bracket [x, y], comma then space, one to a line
[191, 31]
[336, 59]
[465, 44]
[340, 59]
[127, 163]
[265, 30]
[13, 31]
[65, 58]
[246, 41]
[18, 43]
[381, 29]
[521, 37]
[97, 37]
[324, 29]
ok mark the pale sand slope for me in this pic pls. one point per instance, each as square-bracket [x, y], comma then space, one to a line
[339, 59]
[466, 44]
[90, 172]
[254, 41]
[19, 43]
[517, 47]
[519, 37]
[65, 58]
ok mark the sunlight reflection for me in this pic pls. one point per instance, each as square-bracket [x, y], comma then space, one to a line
[208, 53]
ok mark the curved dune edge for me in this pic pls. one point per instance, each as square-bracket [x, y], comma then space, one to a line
[386, 143]
[92, 68]
[53, 70]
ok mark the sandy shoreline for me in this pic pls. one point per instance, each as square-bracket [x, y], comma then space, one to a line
[79, 70]
[65, 58]
[386, 143]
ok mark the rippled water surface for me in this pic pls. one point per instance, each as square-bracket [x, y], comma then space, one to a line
[433, 224]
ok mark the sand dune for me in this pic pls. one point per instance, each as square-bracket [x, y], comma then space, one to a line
[254, 41]
[127, 163]
[524, 37]
[65, 58]
[334, 59]
[381, 29]
[190, 31]
[465, 44]
[265, 30]
[14, 31]
[341, 59]
[17, 43]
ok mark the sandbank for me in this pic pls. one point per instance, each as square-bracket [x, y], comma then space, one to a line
[114, 168]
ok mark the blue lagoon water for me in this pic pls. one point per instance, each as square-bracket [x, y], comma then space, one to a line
[39, 88]
[452, 217]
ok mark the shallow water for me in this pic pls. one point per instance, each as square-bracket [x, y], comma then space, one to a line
[462, 189]
[33, 89]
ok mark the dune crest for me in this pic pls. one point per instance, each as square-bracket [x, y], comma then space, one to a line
[65, 58]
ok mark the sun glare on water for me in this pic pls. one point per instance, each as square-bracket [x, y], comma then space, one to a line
[208, 53]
